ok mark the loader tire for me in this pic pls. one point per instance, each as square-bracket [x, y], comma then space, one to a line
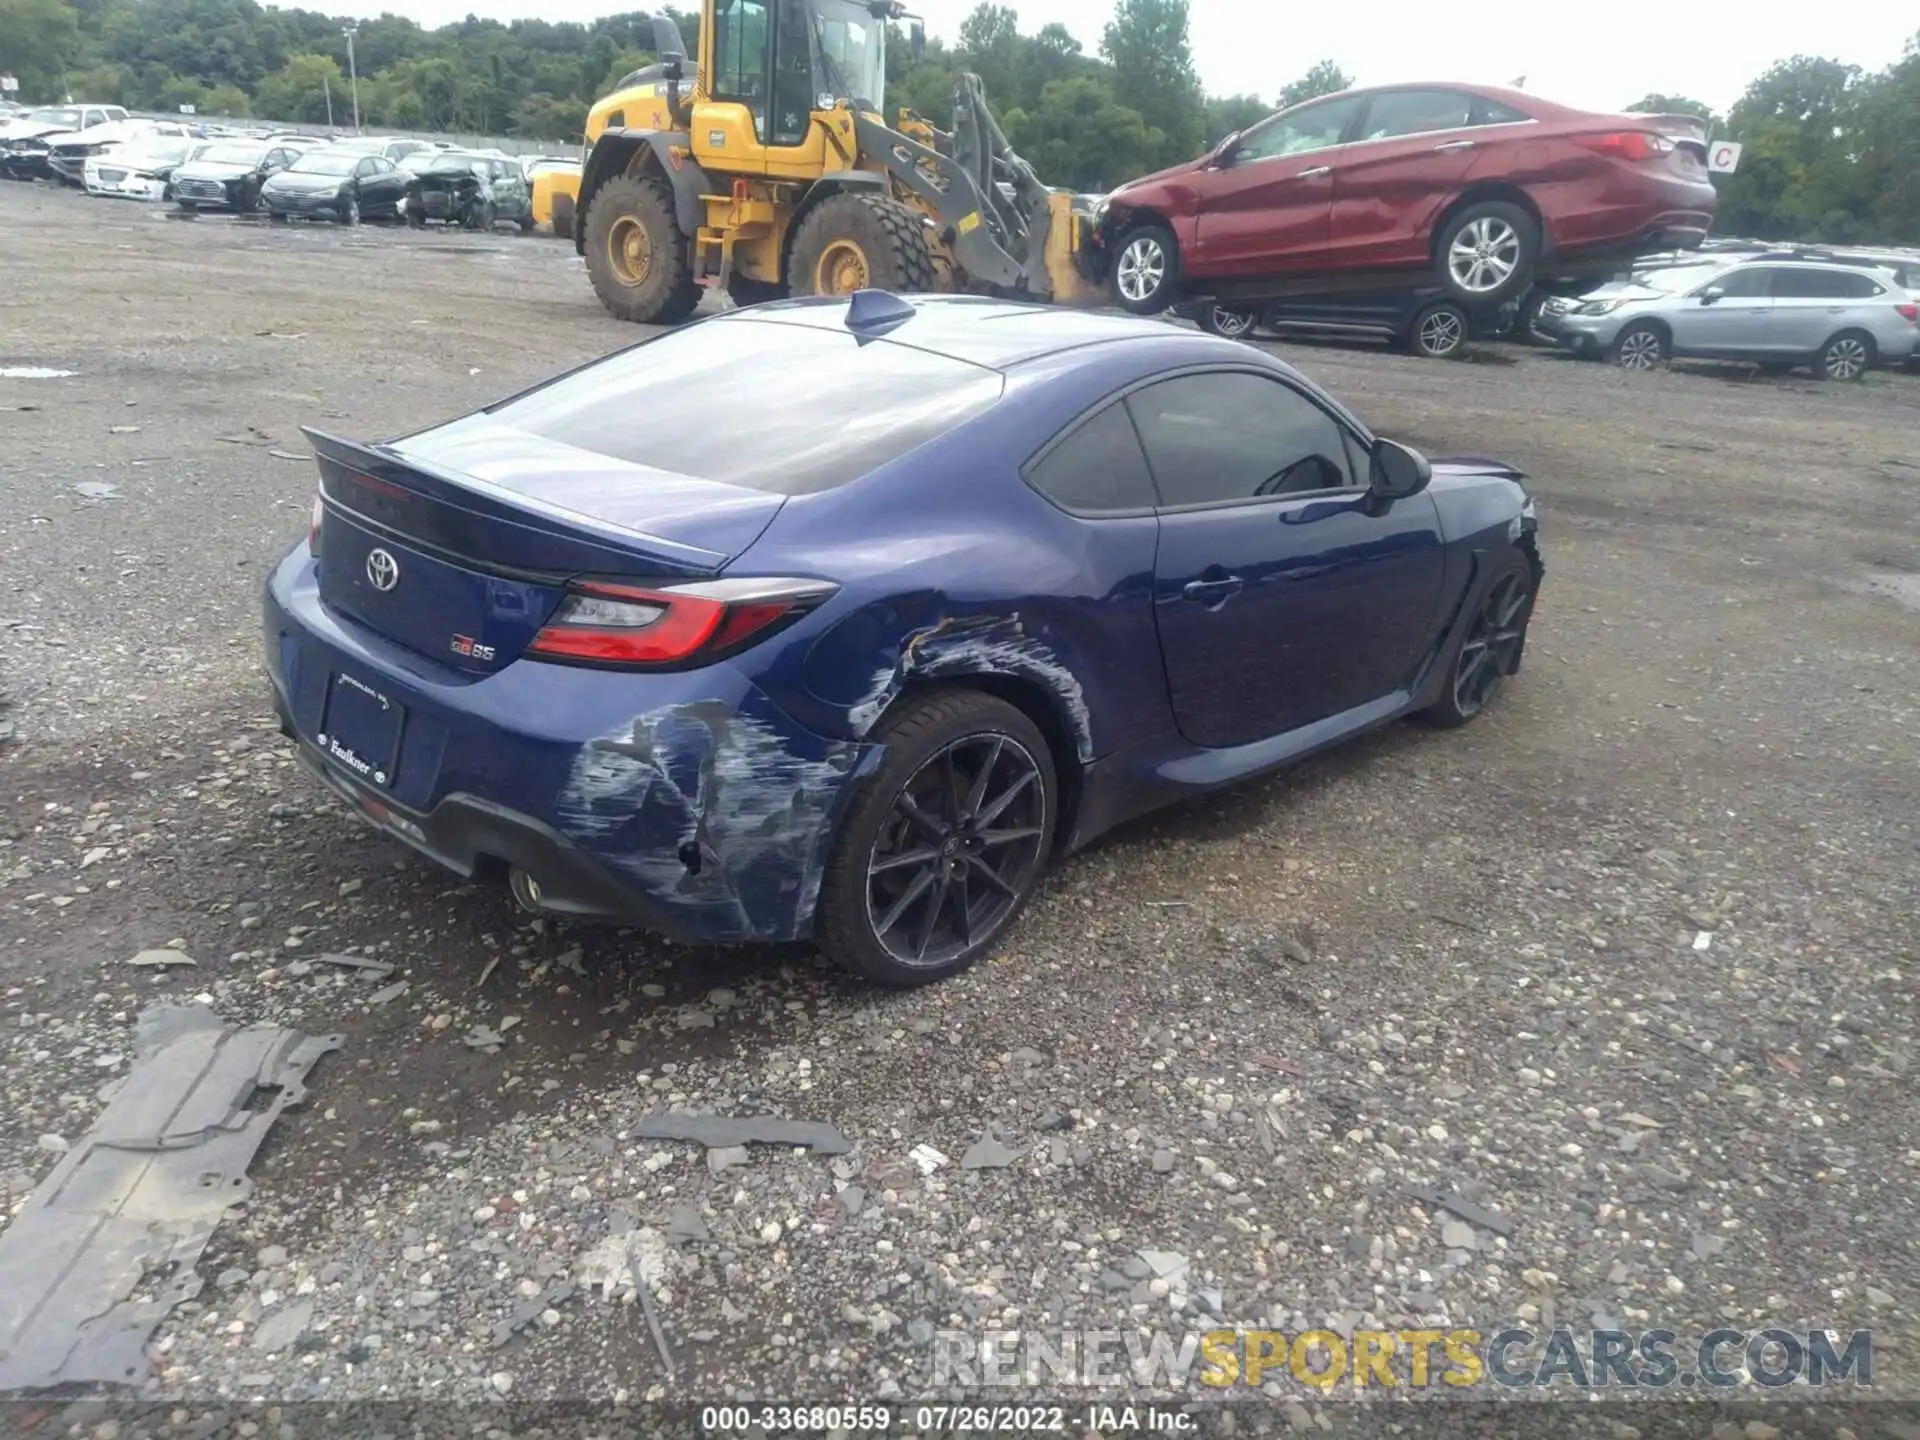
[856, 241]
[638, 260]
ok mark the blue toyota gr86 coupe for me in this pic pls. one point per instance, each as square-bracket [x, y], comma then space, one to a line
[839, 620]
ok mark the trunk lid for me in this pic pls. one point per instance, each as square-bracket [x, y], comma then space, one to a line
[458, 543]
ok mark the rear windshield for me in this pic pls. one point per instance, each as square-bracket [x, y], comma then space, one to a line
[760, 404]
[332, 162]
[242, 154]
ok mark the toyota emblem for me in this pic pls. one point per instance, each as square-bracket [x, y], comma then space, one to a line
[383, 570]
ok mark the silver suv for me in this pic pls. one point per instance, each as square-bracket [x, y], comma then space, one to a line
[1841, 320]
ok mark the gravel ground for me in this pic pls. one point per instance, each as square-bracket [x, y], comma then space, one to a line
[1237, 1037]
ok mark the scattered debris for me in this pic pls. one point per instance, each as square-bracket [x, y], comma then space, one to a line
[484, 1038]
[1458, 1235]
[162, 959]
[686, 1223]
[287, 455]
[653, 1324]
[1279, 1067]
[1703, 939]
[569, 960]
[486, 971]
[140, 1195]
[557, 1293]
[928, 1159]
[281, 334]
[391, 992]
[989, 1153]
[32, 372]
[1474, 1214]
[123, 429]
[283, 1328]
[725, 1157]
[98, 489]
[715, 1131]
[373, 969]
[1165, 1264]
[1169, 904]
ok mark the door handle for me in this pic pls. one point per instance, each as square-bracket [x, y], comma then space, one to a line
[1317, 170]
[1455, 145]
[1213, 592]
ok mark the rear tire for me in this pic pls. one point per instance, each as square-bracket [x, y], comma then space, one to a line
[563, 216]
[1439, 332]
[856, 241]
[480, 217]
[1146, 270]
[1487, 252]
[1847, 356]
[1641, 346]
[638, 260]
[937, 748]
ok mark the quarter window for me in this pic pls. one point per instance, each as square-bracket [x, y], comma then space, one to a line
[1823, 285]
[1227, 436]
[1097, 468]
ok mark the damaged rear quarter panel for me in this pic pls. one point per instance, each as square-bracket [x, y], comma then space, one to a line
[722, 814]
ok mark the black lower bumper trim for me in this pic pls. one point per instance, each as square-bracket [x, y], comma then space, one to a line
[464, 834]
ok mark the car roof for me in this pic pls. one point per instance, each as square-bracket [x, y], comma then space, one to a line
[996, 334]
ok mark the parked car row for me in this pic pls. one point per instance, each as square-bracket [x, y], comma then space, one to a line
[283, 176]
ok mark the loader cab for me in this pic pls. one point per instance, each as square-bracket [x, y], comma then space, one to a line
[775, 65]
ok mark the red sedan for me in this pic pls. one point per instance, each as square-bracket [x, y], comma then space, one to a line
[1485, 190]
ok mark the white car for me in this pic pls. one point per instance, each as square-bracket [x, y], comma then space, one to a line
[67, 155]
[140, 169]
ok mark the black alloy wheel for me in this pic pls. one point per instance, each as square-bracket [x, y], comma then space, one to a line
[1491, 648]
[946, 842]
[959, 851]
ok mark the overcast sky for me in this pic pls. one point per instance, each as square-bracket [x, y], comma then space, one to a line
[1600, 57]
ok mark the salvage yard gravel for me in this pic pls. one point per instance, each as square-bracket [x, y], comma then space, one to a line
[1418, 1036]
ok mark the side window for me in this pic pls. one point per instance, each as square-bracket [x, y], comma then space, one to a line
[1233, 436]
[1415, 112]
[1312, 127]
[1820, 285]
[364, 169]
[1749, 282]
[1097, 468]
[275, 160]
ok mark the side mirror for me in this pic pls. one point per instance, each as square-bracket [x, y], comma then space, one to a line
[1711, 294]
[1396, 472]
[917, 38]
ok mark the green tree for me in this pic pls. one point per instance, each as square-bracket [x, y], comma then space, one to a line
[1800, 126]
[1147, 44]
[228, 100]
[1323, 78]
[1229, 114]
[990, 46]
[1081, 137]
[542, 117]
[39, 39]
[298, 91]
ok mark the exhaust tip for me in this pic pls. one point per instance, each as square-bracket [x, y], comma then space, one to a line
[526, 891]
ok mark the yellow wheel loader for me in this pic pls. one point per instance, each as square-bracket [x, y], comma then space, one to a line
[768, 169]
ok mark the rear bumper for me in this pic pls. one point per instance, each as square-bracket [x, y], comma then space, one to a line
[687, 803]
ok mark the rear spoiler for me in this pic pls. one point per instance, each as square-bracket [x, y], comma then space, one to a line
[1684, 128]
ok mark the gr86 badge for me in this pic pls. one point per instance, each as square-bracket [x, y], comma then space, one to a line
[471, 648]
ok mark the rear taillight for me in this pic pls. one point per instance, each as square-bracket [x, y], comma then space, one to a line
[314, 522]
[1627, 144]
[1908, 312]
[670, 626]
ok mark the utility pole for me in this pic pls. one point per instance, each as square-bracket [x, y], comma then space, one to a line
[353, 74]
[326, 87]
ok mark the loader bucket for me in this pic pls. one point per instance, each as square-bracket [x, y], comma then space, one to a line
[1070, 271]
